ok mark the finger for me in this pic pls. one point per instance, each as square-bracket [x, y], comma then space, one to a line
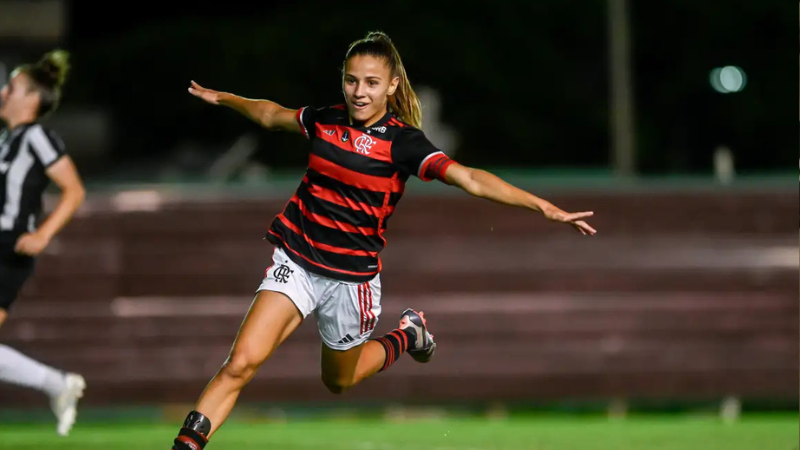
[198, 94]
[585, 226]
[577, 216]
[196, 89]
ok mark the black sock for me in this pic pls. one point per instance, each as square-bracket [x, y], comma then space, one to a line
[395, 344]
[194, 433]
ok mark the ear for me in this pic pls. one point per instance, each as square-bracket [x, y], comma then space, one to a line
[32, 99]
[393, 85]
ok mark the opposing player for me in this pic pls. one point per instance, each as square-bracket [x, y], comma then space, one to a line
[32, 155]
[328, 237]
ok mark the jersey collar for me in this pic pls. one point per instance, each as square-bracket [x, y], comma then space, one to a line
[380, 122]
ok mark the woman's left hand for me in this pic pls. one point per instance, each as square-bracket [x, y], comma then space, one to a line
[557, 215]
[31, 244]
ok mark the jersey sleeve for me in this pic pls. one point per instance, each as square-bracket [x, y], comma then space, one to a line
[307, 119]
[46, 145]
[414, 154]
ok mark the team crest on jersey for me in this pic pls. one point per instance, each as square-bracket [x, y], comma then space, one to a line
[363, 144]
[346, 136]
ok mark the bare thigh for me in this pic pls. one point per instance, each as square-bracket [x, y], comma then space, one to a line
[272, 318]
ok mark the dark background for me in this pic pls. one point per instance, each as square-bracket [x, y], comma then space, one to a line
[524, 84]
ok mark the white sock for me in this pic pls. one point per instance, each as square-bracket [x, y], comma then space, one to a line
[19, 369]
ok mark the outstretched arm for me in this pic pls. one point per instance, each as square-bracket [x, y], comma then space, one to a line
[483, 184]
[266, 113]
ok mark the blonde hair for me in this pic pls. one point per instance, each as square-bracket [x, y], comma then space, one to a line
[404, 102]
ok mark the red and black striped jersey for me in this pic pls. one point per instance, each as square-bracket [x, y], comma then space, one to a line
[334, 224]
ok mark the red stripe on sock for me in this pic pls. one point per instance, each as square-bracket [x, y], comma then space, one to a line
[191, 431]
[387, 345]
[402, 338]
[190, 442]
[394, 350]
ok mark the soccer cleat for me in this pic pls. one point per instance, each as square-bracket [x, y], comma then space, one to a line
[64, 404]
[423, 348]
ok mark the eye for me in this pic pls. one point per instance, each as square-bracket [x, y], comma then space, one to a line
[373, 83]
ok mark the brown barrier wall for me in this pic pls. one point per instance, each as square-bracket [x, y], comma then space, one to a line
[686, 296]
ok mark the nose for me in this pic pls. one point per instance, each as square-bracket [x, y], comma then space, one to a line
[359, 92]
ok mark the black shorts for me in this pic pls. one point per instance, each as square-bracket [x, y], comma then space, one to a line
[15, 269]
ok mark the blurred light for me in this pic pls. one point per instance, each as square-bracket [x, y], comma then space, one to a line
[724, 165]
[733, 78]
[728, 79]
[137, 201]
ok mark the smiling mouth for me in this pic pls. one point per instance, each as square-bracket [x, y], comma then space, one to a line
[359, 105]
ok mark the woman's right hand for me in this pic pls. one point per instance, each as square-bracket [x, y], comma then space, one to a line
[209, 95]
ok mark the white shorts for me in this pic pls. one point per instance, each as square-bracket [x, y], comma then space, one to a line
[346, 312]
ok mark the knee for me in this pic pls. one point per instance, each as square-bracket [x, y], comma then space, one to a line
[337, 385]
[240, 367]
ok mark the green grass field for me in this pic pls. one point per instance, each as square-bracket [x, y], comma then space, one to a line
[762, 432]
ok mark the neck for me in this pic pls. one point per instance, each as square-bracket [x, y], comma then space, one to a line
[16, 122]
[371, 121]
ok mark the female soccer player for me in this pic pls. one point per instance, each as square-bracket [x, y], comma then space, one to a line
[329, 235]
[30, 156]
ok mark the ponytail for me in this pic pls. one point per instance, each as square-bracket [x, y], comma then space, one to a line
[404, 102]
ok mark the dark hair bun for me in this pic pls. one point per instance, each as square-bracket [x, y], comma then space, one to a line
[54, 66]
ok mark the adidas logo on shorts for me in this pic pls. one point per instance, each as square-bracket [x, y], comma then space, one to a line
[346, 340]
